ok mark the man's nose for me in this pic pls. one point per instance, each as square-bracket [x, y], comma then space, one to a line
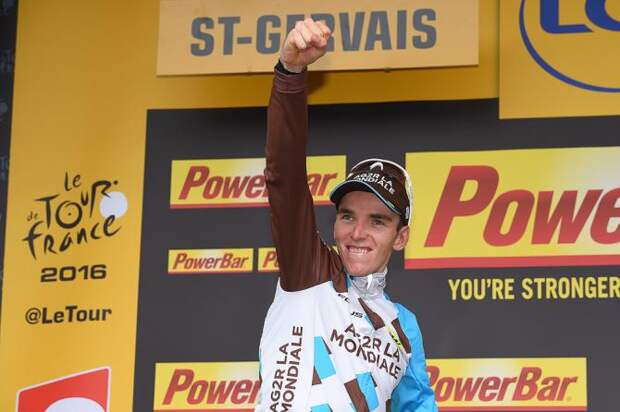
[359, 230]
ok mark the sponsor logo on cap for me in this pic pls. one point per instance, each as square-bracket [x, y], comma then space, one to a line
[208, 386]
[241, 183]
[519, 384]
[376, 164]
[87, 391]
[552, 207]
[207, 261]
[376, 178]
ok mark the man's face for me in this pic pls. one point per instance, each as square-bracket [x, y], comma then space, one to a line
[366, 233]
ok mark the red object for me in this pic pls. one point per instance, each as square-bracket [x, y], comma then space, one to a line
[93, 385]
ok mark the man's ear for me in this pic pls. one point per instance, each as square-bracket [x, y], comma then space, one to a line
[402, 237]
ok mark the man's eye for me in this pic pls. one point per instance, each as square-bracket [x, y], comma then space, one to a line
[378, 222]
[345, 216]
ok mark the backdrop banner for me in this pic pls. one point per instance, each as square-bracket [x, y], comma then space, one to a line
[206, 36]
[74, 213]
[512, 270]
[130, 195]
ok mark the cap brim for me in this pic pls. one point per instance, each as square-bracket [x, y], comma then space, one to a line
[357, 185]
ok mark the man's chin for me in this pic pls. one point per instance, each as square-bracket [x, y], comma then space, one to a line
[357, 270]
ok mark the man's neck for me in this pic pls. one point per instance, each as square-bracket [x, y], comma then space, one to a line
[369, 286]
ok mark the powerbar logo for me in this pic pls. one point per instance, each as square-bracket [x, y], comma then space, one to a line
[241, 183]
[517, 384]
[205, 261]
[211, 386]
[535, 384]
[268, 260]
[552, 207]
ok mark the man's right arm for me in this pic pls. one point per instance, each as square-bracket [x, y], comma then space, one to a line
[302, 257]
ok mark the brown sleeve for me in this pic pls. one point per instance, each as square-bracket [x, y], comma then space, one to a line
[304, 259]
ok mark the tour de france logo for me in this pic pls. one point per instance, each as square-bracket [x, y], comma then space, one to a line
[576, 42]
[79, 213]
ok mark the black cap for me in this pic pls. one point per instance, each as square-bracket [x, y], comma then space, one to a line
[383, 178]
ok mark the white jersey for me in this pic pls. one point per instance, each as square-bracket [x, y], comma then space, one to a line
[332, 351]
[324, 348]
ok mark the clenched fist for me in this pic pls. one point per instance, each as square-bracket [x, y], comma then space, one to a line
[304, 44]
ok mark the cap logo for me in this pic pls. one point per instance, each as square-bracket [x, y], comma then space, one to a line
[376, 164]
[378, 179]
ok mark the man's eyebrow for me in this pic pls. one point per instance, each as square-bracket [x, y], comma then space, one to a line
[381, 216]
[344, 210]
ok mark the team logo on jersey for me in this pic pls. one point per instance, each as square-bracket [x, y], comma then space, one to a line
[85, 392]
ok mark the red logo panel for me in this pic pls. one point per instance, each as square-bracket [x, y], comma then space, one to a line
[85, 391]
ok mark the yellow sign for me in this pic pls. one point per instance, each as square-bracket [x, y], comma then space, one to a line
[268, 260]
[518, 384]
[544, 207]
[559, 58]
[241, 183]
[205, 36]
[204, 261]
[64, 238]
[208, 386]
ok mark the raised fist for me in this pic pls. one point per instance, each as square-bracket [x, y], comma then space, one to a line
[304, 44]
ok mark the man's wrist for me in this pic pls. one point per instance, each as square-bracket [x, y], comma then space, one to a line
[285, 81]
[286, 69]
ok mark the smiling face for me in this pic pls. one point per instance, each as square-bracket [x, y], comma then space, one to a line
[366, 233]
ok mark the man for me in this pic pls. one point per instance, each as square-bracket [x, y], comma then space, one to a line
[332, 340]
